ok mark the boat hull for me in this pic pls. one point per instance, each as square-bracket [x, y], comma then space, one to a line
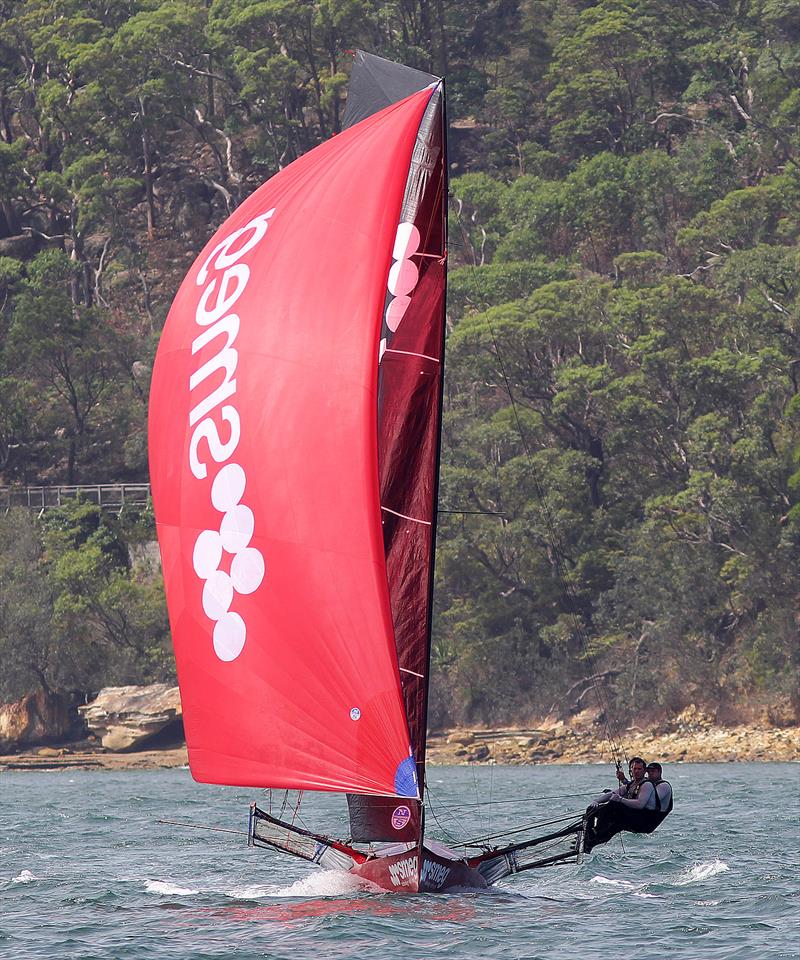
[411, 873]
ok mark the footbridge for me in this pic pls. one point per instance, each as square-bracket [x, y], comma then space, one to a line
[108, 496]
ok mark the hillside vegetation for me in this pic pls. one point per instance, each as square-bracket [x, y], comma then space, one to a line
[621, 446]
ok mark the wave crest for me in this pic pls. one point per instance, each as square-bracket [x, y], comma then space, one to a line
[701, 871]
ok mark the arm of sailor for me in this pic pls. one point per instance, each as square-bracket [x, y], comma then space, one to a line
[607, 795]
[640, 802]
[664, 794]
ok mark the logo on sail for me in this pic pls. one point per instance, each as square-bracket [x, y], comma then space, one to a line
[216, 431]
[400, 817]
[403, 277]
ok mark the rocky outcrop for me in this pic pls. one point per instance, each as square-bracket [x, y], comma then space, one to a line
[127, 718]
[37, 718]
[690, 737]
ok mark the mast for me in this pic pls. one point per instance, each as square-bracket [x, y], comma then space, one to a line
[410, 355]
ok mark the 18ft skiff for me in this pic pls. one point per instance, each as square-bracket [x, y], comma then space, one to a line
[294, 445]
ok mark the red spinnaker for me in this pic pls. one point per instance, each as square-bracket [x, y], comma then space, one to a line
[264, 467]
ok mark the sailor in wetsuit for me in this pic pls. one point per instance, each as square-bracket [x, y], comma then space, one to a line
[641, 812]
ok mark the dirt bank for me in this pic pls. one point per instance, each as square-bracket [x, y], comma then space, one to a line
[689, 739]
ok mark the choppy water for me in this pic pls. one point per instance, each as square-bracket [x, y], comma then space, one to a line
[86, 872]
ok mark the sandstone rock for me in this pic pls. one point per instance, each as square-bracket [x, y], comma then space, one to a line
[691, 720]
[462, 738]
[126, 718]
[37, 718]
[481, 752]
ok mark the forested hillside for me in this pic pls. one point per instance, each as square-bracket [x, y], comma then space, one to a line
[621, 448]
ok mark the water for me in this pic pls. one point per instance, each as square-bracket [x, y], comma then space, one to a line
[86, 872]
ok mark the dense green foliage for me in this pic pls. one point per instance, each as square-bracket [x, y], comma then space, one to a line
[623, 361]
[79, 606]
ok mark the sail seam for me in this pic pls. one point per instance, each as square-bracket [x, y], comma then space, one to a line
[409, 353]
[405, 516]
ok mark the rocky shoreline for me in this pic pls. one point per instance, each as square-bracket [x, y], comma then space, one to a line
[564, 744]
[135, 727]
[685, 740]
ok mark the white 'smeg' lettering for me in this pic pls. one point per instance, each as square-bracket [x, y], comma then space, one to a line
[215, 436]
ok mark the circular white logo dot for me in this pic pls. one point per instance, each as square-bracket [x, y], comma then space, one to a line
[355, 714]
[217, 595]
[395, 312]
[406, 241]
[229, 637]
[236, 528]
[228, 487]
[403, 277]
[247, 570]
[207, 553]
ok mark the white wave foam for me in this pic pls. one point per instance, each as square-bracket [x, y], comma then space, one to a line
[321, 883]
[612, 882]
[25, 877]
[167, 889]
[255, 891]
[701, 871]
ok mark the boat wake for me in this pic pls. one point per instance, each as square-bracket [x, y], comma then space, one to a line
[321, 883]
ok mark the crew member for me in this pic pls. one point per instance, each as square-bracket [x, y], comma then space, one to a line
[641, 813]
[637, 768]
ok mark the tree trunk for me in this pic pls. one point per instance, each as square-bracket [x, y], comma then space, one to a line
[148, 172]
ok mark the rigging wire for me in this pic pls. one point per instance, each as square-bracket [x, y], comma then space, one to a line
[459, 806]
[558, 553]
[445, 832]
[477, 841]
[476, 513]
[445, 809]
[199, 826]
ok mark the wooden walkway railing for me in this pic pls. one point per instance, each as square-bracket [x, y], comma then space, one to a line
[109, 496]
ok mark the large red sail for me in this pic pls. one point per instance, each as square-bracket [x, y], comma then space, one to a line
[263, 448]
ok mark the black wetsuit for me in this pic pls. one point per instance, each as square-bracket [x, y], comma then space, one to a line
[609, 819]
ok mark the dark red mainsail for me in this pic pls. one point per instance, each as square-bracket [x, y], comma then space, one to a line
[264, 446]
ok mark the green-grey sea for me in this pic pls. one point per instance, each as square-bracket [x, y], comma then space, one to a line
[87, 871]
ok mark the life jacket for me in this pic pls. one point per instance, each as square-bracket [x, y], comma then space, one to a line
[633, 787]
[646, 821]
